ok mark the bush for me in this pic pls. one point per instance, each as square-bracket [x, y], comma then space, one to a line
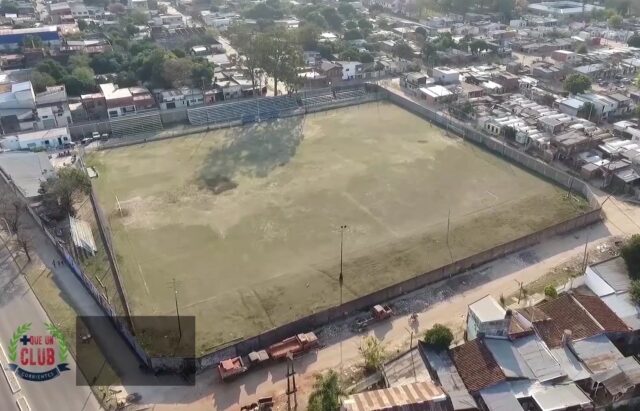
[630, 252]
[550, 291]
[438, 337]
[373, 353]
[635, 291]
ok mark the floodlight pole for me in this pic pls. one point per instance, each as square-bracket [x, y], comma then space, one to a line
[341, 281]
[175, 296]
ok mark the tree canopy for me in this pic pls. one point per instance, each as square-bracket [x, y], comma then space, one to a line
[373, 353]
[630, 253]
[577, 83]
[326, 392]
[634, 40]
[438, 337]
[58, 192]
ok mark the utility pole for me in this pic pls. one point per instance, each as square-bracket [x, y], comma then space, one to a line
[341, 282]
[175, 296]
[413, 364]
[448, 229]
[291, 383]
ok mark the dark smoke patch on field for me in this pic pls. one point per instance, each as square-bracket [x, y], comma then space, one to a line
[252, 151]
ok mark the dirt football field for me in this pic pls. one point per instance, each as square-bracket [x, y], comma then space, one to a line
[247, 219]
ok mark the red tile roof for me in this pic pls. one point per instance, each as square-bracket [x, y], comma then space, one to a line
[476, 365]
[602, 313]
[565, 314]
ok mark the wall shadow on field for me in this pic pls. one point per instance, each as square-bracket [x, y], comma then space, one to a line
[253, 151]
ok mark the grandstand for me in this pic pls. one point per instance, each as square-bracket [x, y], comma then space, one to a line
[136, 124]
[247, 111]
[328, 96]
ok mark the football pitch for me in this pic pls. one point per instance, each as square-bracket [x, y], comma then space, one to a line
[247, 219]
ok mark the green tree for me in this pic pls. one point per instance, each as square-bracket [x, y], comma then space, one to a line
[588, 111]
[52, 68]
[577, 83]
[582, 49]
[264, 11]
[351, 25]
[630, 253]
[438, 337]
[317, 19]
[177, 72]
[279, 56]
[550, 291]
[365, 24]
[41, 81]
[79, 60]
[477, 46]
[634, 40]
[326, 392]
[615, 21]
[402, 50]
[332, 17]
[352, 35]
[32, 42]
[347, 10]
[82, 25]
[373, 353]
[634, 291]
[59, 192]
[201, 73]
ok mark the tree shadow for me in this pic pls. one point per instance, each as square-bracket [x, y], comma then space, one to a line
[252, 151]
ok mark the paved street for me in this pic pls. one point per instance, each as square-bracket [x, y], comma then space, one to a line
[18, 305]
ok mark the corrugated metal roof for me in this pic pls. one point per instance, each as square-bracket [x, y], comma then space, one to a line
[397, 398]
[623, 306]
[405, 369]
[534, 352]
[500, 398]
[81, 235]
[449, 379]
[560, 397]
[570, 365]
[598, 353]
[509, 359]
[614, 272]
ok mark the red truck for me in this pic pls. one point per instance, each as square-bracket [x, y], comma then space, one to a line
[231, 368]
[297, 345]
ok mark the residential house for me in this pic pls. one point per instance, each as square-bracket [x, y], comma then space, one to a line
[350, 69]
[331, 70]
[509, 82]
[445, 75]
[566, 56]
[486, 317]
[570, 106]
[124, 101]
[94, 105]
[37, 140]
[180, 98]
[413, 81]
[436, 94]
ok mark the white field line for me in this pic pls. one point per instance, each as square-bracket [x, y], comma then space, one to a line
[8, 374]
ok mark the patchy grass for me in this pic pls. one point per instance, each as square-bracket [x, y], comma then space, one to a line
[266, 252]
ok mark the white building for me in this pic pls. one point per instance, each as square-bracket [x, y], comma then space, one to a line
[445, 75]
[219, 21]
[27, 170]
[350, 69]
[486, 316]
[37, 140]
[180, 98]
